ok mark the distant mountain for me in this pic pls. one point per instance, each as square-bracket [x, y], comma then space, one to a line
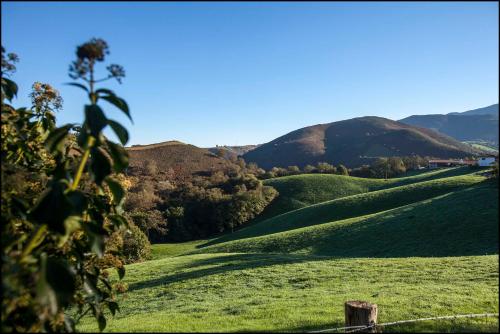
[489, 110]
[354, 142]
[182, 159]
[232, 151]
[473, 125]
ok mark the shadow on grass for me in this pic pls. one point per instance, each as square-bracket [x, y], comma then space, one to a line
[223, 264]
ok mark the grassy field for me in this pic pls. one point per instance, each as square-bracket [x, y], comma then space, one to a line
[266, 292]
[419, 246]
[160, 251]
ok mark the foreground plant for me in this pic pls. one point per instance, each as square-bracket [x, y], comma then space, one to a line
[60, 202]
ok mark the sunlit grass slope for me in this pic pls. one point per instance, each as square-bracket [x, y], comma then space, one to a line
[266, 292]
[299, 191]
[462, 222]
[353, 206]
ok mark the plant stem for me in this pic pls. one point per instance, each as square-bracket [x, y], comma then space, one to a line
[79, 172]
[35, 241]
[90, 140]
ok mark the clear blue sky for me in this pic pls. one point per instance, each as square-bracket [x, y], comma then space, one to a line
[246, 73]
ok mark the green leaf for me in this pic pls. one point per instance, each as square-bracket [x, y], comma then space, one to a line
[118, 220]
[113, 307]
[56, 283]
[120, 131]
[53, 208]
[101, 320]
[119, 103]
[55, 140]
[105, 91]
[78, 85]
[61, 278]
[117, 191]
[78, 201]
[106, 283]
[9, 88]
[100, 165]
[90, 285]
[97, 244]
[71, 224]
[95, 119]
[121, 271]
[119, 155]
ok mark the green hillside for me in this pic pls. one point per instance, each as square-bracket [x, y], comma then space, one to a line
[299, 191]
[354, 205]
[463, 222]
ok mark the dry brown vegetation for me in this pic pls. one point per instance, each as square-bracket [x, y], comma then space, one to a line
[355, 142]
[175, 161]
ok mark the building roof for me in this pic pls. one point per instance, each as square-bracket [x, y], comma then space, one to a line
[467, 162]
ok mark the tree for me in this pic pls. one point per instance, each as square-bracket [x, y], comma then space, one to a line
[293, 170]
[309, 169]
[324, 167]
[278, 171]
[381, 167]
[397, 167]
[342, 170]
[148, 222]
[55, 231]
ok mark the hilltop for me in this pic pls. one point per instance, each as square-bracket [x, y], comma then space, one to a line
[354, 142]
[183, 160]
[473, 125]
[232, 151]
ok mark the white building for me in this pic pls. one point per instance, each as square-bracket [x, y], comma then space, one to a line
[485, 161]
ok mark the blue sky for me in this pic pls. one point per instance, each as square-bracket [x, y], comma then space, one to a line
[246, 73]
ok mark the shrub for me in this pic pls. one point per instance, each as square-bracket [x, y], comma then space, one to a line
[136, 246]
[54, 231]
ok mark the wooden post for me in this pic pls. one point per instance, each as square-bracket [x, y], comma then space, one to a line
[359, 313]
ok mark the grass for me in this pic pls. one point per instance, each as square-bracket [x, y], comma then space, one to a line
[159, 251]
[266, 292]
[352, 206]
[464, 222]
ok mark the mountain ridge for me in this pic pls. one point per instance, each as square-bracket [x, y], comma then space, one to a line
[354, 142]
[473, 125]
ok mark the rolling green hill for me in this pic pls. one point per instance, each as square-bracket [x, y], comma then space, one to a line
[355, 141]
[354, 205]
[461, 222]
[299, 191]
